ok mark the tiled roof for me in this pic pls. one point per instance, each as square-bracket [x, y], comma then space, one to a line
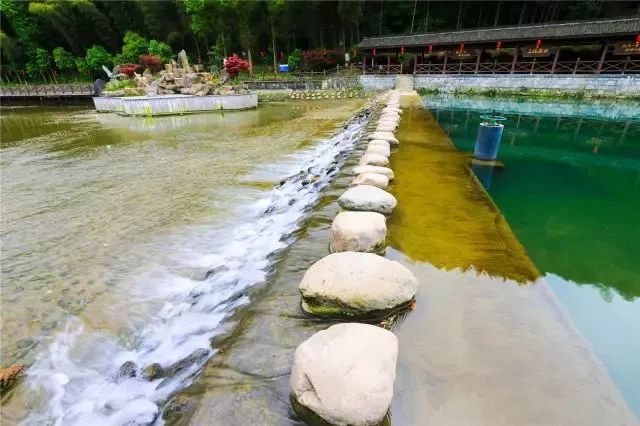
[592, 29]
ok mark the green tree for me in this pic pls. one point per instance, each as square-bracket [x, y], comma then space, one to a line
[96, 57]
[64, 60]
[294, 60]
[160, 49]
[40, 63]
[134, 46]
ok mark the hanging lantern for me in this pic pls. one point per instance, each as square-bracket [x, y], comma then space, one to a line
[499, 44]
[538, 44]
[355, 52]
[402, 50]
[262, 53]
[281, 54]
[461, 47]
[638, 40]
[430, 49]
[375, 52]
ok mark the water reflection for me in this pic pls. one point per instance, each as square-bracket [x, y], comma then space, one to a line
[570, 190]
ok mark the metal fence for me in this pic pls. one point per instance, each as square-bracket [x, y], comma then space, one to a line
[47, 90]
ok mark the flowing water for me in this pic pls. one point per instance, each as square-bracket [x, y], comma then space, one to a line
[132, 239]
[570, 189]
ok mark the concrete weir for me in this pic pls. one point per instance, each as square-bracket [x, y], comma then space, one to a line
[174, 104]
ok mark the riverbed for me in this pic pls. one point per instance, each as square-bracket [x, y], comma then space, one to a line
[108, 222]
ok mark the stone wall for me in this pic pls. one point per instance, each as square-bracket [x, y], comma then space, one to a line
[377, 82]
[285, 85]
[617, 85]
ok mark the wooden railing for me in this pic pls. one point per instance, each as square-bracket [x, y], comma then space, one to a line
[47, 90]
[531, 66]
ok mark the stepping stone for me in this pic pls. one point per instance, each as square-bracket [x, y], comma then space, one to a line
[393, 110]
[385, 136]
[367, 198]
[345, 375]
[379, 142]
[374, 160]
[374, 169]
[357, 285]
[373, 179]
[359, 231]
[378, 150]
[386, 128]
[392, 115]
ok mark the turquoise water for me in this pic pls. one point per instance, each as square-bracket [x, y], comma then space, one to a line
[570, 189]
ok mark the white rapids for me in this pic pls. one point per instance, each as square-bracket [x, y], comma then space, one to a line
[77, 374]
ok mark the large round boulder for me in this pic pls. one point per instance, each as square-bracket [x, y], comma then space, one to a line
[374, 160]
[385, 136]
[378, 150]
[367, 198]
[384, 127]
[373, 179]
[345, 375]
[374, 169]
[358, 285]
[359, 231]
[379, 142]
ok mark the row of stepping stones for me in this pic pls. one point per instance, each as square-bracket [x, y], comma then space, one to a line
[344, 375]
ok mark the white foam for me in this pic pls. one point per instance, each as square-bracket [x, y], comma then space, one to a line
[78, 370]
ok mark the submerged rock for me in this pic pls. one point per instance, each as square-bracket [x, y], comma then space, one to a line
[374, 159]
[374, 169]
[373, 179]
[128, 369]
[177, 407]
[152, 372]
[359, 285]
[345, 374]
[367, 198]
[359, 231]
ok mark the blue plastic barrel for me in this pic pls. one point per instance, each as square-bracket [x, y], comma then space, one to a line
[283, 68]
[488, 141]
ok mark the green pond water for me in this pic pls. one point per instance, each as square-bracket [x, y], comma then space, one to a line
[570, 190]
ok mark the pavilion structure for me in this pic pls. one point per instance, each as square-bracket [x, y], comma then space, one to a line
[610, 46]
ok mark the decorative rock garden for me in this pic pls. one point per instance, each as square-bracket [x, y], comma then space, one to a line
[344, 375]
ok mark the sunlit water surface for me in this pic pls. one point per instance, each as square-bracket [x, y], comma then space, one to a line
[110, 226]
[570, 190]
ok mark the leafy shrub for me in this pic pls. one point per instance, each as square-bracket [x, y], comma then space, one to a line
[234, 65]
[112, 86]
[64, 60]
[134, 46]
[96, 57]
[294, 60]
[160, 49]
[128, 69]
[153, 62]
[40, 62]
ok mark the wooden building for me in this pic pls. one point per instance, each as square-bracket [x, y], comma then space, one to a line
[609, 46]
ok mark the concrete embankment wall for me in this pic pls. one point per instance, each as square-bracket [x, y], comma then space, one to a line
[613, 85]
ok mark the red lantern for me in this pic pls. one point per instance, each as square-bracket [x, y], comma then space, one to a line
[499, 44]
[538, 44]
[430, 49]
[402, 50]
[374, 52]
[281, 54]
[638, 39]
[461, 47]
[262, 53]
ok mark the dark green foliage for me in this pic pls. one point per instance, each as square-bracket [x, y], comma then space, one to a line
[212, 29]
[294, 60]
[161, 50]
[96, 57]
[64, 60]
